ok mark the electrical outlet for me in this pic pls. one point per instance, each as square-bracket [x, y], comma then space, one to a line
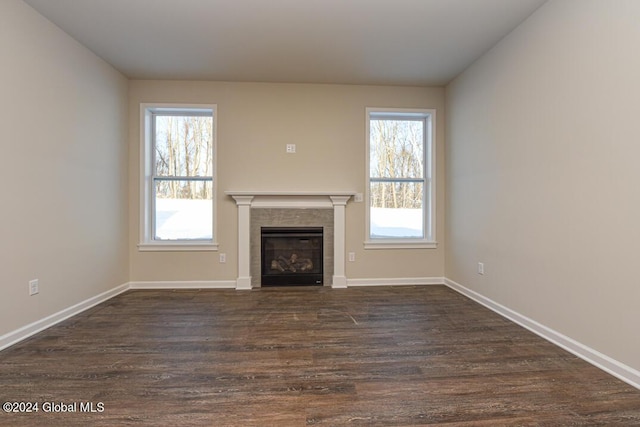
[223, 258]
[481, 268]
[358, 198]
[34, 287]
[291, 148]
[352, 256]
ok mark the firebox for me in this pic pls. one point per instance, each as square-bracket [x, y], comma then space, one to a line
[291, 256]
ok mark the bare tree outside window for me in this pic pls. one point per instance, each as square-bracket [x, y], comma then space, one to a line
[183, 176]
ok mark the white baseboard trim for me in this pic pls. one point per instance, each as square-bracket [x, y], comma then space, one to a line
[404, 281]
[619, 370]
[25, 332]
[204, 284]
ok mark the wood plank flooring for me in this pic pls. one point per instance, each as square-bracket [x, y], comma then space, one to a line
[385, 356]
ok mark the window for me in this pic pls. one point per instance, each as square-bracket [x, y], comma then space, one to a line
[178, 186]
[400, 183]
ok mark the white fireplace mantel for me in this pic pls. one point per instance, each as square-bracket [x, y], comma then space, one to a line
[246, 200]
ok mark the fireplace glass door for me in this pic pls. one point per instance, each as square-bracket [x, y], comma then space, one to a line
[291, 256]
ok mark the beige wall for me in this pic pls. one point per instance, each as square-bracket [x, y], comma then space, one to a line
[63, 214]
[255, 122]
[543, 182]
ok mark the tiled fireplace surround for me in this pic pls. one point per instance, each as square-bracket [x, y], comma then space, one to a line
[290, 209]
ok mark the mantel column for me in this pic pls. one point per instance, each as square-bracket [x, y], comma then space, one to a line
[244, 242]
[339, 227]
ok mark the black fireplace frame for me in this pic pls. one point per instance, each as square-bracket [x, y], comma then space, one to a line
[288, 278]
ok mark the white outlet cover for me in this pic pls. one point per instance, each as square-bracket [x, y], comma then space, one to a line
[34, 287]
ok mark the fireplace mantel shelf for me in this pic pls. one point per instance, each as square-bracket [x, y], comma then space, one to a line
[291, 199]
[289, 193]
[246, 200]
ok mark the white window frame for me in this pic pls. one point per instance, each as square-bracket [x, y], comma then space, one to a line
[147, 242]
[429, 181]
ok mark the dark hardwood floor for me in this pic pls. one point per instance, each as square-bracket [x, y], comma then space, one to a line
[392, 356]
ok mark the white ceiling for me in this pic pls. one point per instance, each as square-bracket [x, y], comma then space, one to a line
[385, 42]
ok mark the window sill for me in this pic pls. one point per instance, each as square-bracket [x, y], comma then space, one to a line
[177, 247]
[400, 244]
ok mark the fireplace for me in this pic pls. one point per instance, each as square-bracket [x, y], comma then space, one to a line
[249, 202]
[291, 256]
